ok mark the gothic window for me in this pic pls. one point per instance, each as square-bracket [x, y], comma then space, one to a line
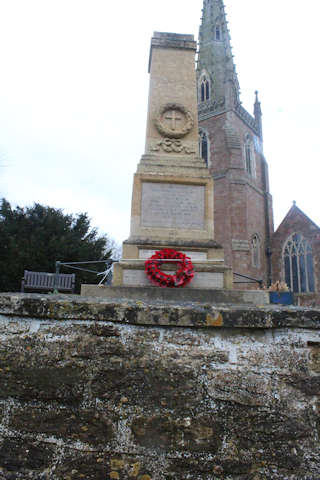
[298, 264]
[204, 146]
[249, 157]
[204, 89]
[218, 32]
[207, 92]
[255, 250]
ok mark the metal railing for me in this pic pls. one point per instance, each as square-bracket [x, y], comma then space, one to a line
[247, 279]
[107, 273]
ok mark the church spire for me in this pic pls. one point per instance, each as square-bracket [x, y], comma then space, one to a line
[258, 114]
[215, 59]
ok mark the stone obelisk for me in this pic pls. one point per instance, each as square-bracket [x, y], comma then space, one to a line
[172, 199]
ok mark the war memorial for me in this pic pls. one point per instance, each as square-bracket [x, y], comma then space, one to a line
[172, 200]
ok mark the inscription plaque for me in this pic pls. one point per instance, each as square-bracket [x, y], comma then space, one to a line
[240, 245]
[172, 205]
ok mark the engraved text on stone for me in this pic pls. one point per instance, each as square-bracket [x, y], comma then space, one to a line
[166, 205]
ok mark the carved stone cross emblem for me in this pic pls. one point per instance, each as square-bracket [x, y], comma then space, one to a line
[174, 121]
[173, 115]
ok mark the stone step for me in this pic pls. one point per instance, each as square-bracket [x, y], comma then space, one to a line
[178, 295]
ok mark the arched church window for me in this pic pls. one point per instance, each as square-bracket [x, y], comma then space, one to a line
[298, 264]
[218, 32]
[204, 89]
[207, 92]
[256, 250]
[204, 146]
[249, 157]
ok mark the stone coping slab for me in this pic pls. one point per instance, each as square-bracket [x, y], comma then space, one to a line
[181, 295]
[74, 307]
[175, 243]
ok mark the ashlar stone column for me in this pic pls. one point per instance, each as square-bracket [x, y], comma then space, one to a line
[172, 199]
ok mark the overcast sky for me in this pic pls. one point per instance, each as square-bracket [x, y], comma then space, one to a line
[74, 89]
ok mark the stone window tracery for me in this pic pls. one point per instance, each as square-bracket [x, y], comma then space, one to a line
[256, 250]
[249, 157]
[204, 88]
[298, 264]
[204, 146]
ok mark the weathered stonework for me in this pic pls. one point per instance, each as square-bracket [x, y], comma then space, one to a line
[239, 199]
[242, 202]
[133, 390]
[172, 195]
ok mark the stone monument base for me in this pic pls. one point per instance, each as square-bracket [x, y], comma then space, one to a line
[178, 295]
[208, 275]
[207, 258]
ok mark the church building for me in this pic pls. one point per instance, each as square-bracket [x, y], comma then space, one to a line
[231, 143]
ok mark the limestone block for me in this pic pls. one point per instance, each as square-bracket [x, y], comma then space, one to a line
[167, 207]
[157, 390]
[212, 280]
[173, 205]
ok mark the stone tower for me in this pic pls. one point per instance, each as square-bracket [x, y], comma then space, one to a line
[231, 143]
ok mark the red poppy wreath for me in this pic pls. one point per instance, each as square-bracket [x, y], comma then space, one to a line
[183, 275]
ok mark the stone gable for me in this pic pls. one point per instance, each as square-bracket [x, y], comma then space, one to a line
[297, 222]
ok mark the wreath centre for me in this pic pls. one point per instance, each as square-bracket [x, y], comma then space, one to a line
[184, 269]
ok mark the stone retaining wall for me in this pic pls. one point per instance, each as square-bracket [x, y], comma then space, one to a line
[128, 390]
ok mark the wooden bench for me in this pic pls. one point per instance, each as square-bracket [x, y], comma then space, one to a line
[48, 282]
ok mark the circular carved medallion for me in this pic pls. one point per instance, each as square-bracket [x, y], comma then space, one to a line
[174, 121]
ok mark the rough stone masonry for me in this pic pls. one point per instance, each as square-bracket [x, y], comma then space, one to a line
[98, 389]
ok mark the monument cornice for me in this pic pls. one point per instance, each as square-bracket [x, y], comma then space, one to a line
[201, 245]
[171, 40]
